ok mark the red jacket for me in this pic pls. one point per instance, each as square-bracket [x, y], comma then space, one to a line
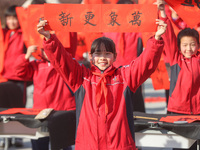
[185, 77]
[130, 48]
[15, 48]
[50, 91]
[95, 129]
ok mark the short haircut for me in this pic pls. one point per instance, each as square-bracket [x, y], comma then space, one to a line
[109, 45]
[10, 11]
[187, 32]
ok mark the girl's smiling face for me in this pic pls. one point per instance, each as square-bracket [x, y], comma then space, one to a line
[102, 58]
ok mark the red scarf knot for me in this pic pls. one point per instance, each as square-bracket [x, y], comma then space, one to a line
[101, 88]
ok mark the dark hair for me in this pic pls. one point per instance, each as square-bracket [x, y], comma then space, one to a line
[109, 45]
[187, 32]
[10, 11]
[125, 2]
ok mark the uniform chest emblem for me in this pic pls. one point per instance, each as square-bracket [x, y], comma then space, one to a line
[115, 79]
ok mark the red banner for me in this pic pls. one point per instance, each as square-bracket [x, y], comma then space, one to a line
[181, 118]
[101, 17]
[25, 111]
[22, 15]
[35, 12]
[28, 19]
[188, 10]
[100, 1]
[146, 1]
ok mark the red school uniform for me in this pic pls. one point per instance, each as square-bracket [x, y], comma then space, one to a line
[104, 121]
[50, 90]
[184, 94]
[14, 48]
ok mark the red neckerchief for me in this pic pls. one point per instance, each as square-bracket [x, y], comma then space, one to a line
[102, 89]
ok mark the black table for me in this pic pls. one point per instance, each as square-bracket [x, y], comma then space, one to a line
[60, 126]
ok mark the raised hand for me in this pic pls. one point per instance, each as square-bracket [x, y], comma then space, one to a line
[162, 26]
[40, 29]
[161, 4]
[161, 7]
[31, 49]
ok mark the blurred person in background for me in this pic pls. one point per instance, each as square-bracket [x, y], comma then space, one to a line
[12, 88]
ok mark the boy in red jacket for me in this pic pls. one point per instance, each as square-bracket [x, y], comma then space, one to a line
[104, 115]
[184, 58]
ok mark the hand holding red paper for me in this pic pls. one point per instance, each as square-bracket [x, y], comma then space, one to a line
[160, 4]
[162, 26]
[41, 30]
[31, 49]
[189, 11]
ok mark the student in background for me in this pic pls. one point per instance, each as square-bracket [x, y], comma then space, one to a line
[13, 46]
[184, 61]
[104, 114]
[12, 87]
[184, 58]
[50, 90]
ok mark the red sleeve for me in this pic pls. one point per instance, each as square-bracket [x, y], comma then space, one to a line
[142, 67]
[63, 62]
[171, 49]
[180, 23]
[24, 69]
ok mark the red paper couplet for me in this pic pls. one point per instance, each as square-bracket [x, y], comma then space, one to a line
[101, 17]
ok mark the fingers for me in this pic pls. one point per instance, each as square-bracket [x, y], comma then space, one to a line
[160, 4]
[160, 22]
[41, 24]
[40, 29]
[32, 48]
[162, 26]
